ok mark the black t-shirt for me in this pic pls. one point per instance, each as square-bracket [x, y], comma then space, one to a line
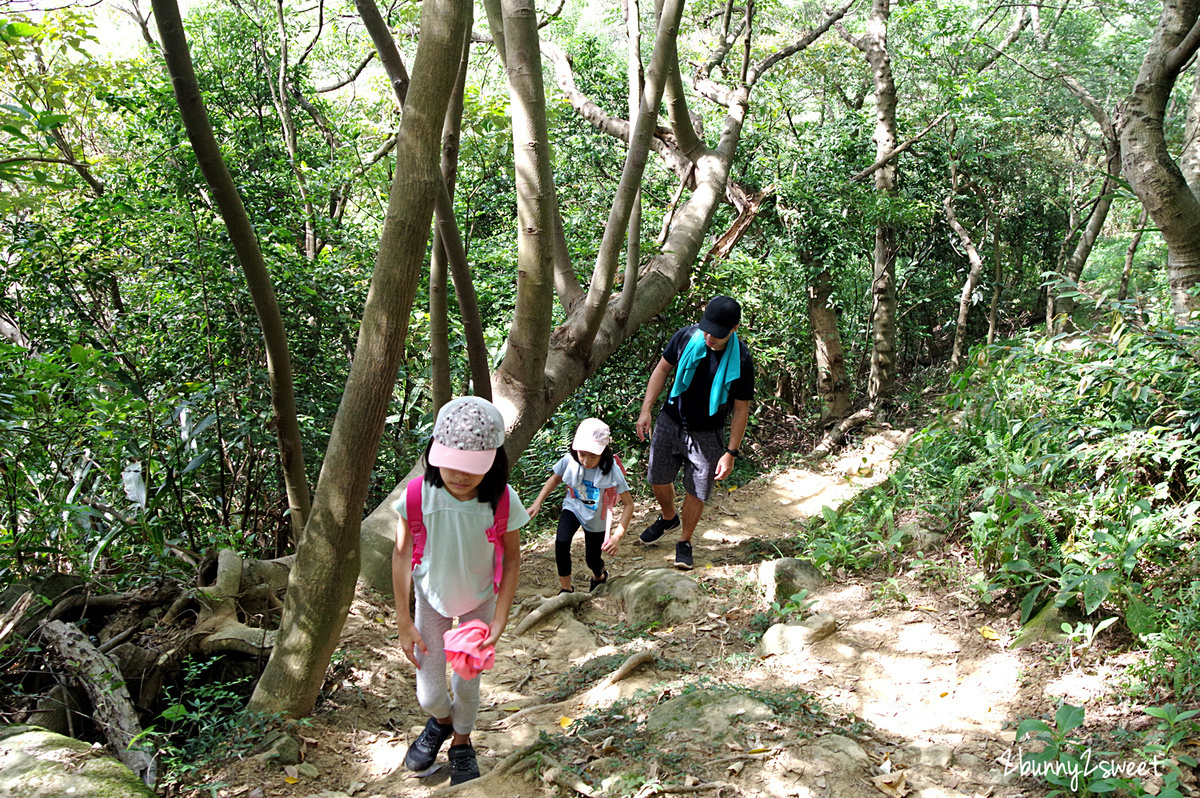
[690, 408]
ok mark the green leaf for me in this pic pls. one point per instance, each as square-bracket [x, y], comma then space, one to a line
[1030, 725]
[1068, 718]
[21, 29]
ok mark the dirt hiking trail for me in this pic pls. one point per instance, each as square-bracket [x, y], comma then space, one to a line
[916, 692]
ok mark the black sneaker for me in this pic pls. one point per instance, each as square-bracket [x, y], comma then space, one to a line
[683, 555]
[656, 530]
[424, 750]
[463, 766]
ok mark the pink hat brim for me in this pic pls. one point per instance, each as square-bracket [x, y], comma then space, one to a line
[471, 462]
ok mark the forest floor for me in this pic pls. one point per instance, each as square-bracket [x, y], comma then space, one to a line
[919, 674]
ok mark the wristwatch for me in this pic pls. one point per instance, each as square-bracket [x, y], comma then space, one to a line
[734, 452]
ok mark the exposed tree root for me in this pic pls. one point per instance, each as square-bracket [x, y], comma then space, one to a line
[112, 708]
[834, 437]
[548, 608]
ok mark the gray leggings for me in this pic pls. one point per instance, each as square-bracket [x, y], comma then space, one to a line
[432, 692]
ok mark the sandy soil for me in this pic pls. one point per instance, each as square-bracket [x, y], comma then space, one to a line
[918, 673]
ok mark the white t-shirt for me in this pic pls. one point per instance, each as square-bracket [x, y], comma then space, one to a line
[585, 487]
[458, 565]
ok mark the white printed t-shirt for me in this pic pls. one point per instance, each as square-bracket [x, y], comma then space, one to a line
[458, 565]
[585, 487]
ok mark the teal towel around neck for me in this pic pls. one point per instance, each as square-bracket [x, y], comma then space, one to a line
[729, 369]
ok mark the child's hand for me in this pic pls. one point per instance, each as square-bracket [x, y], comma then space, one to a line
[493, 635]
[534, 508]
[410, 639]
[612, 542]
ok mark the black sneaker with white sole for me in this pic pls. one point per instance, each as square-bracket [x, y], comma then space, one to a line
[463, 765]
[656, 530]
[424, 750]
[683, 555]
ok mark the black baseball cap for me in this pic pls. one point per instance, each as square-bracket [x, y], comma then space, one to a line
[720, 316]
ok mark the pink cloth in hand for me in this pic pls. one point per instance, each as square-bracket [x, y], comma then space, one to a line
[465, 651]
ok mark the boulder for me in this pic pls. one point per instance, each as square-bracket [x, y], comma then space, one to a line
[796, 637]
[35, 763]
[783, 578]
[659, 595]
[706, 714]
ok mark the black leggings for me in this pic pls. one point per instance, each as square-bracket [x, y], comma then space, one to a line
[592, 541]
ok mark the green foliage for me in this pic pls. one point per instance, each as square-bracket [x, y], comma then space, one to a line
[205, 723]
[1076, 460]
[1074, 766]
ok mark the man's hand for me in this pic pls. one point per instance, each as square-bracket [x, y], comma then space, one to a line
[644, 428]
[725, 466]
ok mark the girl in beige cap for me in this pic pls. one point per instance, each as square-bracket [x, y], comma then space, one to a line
[595, 481]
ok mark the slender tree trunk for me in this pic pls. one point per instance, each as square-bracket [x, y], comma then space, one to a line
[1073, 268]
[966, 298]
[873, 44]
[245, 244]
[636, 80]
[1130, 252]
[617, 226]
[832, 385]
[323, 576]
[997, 284]
[1146, 159]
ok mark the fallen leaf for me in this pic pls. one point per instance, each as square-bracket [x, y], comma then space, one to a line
[943, 695]
[290, 780]
[292, 773]
[758, 750]
[354, 787]
[892, 784]
[1151, 788]
[988, 633]
[511, 708]
[925, 607]
[564, 721]
[736, 767]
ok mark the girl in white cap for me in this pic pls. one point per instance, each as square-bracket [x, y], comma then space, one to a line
[458, 550]
[592, 473]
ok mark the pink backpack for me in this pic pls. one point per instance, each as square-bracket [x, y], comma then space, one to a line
[495, 533]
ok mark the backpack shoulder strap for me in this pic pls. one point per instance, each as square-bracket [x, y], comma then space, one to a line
[610, 499]
[416, 525]
[495, 534]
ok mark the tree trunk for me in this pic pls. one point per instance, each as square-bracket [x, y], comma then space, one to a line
[1064, 306]
[1146, 159]
[997, 273]
[1130, 252]
[245, 244]
[965, 299]
[521, 377]
[321, 584]
[832, 385]
[873, 44]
